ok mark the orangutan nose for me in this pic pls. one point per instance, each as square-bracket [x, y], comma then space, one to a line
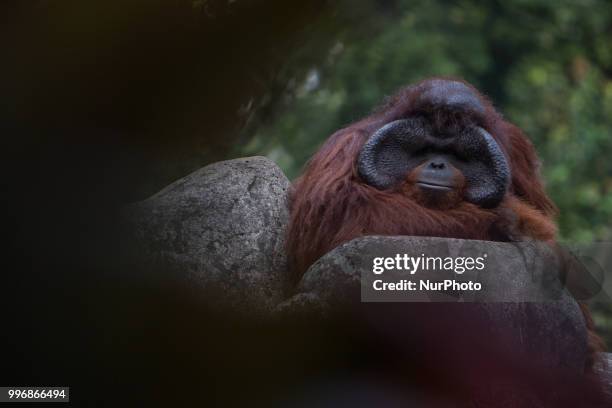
[437, 164]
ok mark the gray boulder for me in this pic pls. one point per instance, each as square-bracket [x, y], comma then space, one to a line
[521, 306]
[221, 228]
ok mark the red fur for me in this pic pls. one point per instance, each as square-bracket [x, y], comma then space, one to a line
[330, 204]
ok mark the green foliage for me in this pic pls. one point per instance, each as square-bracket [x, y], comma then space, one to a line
[546, 65]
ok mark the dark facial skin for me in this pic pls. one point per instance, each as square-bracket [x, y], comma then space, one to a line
[436, 183]
[437, 174]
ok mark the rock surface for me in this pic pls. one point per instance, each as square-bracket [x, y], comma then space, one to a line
[555, 328]
[604, 369]
[222, 228]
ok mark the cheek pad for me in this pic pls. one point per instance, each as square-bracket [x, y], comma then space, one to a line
[488, 176]
[389, 154]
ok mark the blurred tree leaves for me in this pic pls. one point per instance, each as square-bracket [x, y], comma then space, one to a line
[546, 65]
